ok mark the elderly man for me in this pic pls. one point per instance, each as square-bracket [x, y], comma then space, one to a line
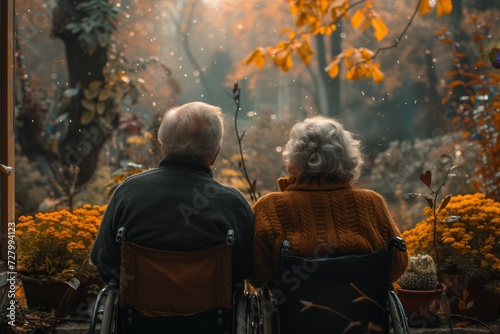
[179, 206]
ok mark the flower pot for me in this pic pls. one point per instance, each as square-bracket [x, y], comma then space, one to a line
[421, 307]
[47, 295]
[485, 303]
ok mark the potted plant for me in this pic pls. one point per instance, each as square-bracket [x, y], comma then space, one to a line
[420, 292]
[53, 255]
[467, 241]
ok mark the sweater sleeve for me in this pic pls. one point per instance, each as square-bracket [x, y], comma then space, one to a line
[400, 259]
[263, 246]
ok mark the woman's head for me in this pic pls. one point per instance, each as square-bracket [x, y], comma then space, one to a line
[320, 145]
[194, 129]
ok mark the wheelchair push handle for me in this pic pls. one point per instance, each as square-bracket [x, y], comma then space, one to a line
[120, 235]
[399, 243]
[230, 238]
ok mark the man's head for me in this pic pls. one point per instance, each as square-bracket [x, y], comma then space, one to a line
[194, 129]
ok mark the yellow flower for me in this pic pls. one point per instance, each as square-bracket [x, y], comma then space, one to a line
[471, 243]
[55, 243]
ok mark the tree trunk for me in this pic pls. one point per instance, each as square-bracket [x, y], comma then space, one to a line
[82, 143]
[330, 86]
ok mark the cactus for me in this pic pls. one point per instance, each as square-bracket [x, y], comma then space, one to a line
[420, 274]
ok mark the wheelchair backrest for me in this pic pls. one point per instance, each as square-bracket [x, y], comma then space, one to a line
[168, 283]
[330, 294]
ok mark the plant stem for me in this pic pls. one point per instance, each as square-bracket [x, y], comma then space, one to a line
[236, 98]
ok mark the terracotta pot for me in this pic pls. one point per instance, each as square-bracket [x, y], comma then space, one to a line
[47, 295]
[484, 304]
[421, 307]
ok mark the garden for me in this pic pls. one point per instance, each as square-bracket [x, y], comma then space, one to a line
[418, 80]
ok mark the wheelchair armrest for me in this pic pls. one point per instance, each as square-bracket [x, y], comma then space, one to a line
[399, 243]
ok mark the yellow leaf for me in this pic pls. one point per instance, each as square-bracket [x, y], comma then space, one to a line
[90, 94]
[352, 74]
[305, 52]
[380, 30]
[444, 7]
[333, 68]
[465, 294]
[103, 95]
[377, 74]
[301, 20]
[287, 64]
[101, 107]
[95, 85]
[349, 52]
[89, 105]
[424, 8]
[87, 117]
[257, 57]
[358, 18]
[366, 54]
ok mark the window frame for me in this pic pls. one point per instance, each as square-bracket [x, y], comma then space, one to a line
[7, 201]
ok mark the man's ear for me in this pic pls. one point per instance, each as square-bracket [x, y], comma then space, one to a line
[215, 157]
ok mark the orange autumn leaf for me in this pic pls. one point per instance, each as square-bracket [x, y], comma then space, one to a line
[455, 84]
[358, 18]
[333, 68]
[377, 74]
[444, 7]
[425, 7]
[478, 64]
[379, 27]
[257, 57]
[305, 51]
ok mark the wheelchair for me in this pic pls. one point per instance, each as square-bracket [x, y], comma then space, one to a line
[331, 294]
[338, 293]
[163, 291]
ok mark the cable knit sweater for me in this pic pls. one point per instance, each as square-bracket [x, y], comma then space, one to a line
[320, 215]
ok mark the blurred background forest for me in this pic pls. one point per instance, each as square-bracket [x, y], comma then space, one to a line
[160, 53]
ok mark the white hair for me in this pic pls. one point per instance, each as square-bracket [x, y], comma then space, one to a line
[320, 145]
[194, 129]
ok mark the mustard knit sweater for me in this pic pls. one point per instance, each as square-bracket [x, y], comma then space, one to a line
[317, 215]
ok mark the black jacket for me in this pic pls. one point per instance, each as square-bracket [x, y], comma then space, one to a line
[178, 206]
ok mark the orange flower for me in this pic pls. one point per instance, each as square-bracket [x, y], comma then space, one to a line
[57, 244]
[471, 244]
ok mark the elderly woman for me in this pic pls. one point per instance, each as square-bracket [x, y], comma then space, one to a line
[317, 208]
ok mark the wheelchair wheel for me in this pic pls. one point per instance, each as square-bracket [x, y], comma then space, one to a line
[97, 310]
[105, 308]
[399, 322]
[267, 311]
[110, 313]
[240, 314]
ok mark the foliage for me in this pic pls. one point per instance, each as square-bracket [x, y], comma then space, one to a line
[313, 18]
[420, 274]
[472, 90]
[97, 25]
[468, 241]
[55, 246]
[394, 172]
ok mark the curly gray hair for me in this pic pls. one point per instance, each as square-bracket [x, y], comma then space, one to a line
[194, 129]
[320, 145]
